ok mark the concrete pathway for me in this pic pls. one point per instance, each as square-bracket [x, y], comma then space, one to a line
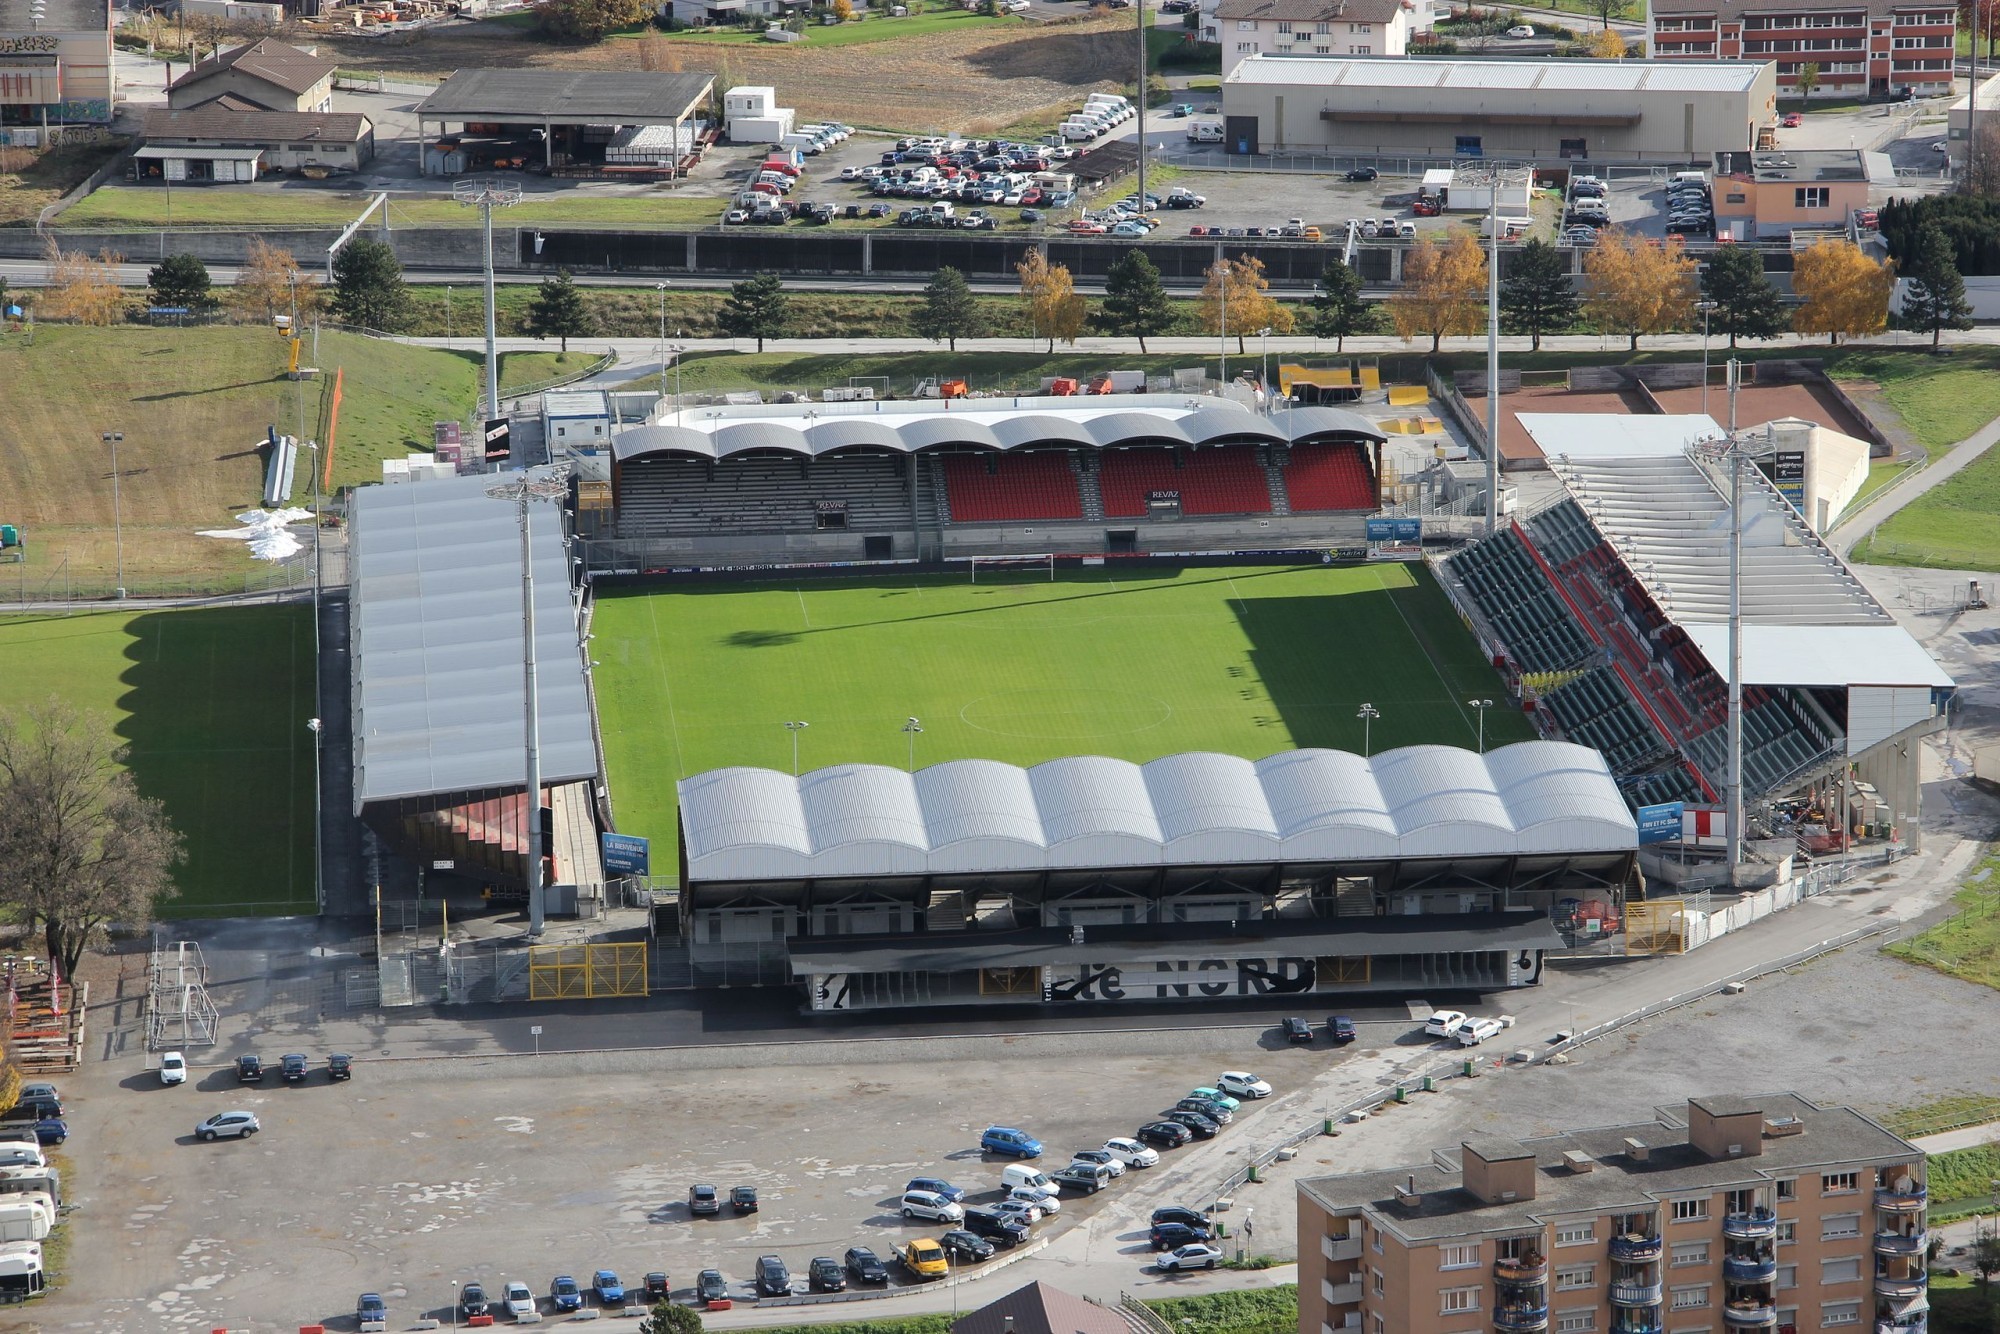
[1853, 528]
[1965, 1137]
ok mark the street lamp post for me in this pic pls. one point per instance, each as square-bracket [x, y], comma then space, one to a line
[1706, 308]
[1264, 374]
[795, 729]
[319, 860]
[661, 288]
[487, 196]
[1368, 714]
[676, 350]
[523, 488]
[1481, 705]
[913, 729]
[114, 439]
[447, 318]
[454, 1303]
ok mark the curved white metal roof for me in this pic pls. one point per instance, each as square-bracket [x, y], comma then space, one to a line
[1087, 811]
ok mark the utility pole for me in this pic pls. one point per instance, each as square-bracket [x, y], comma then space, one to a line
[1139, 8]
[1734, 839]
[1493, 355]
[114, 439]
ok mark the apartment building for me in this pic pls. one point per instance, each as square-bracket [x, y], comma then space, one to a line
[1740, 1214]
[1873, 48]
[1308, 28]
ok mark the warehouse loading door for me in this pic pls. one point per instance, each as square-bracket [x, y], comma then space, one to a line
[1240, 133]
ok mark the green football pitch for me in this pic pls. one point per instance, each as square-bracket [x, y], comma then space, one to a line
[212, 706]
[1016, 667]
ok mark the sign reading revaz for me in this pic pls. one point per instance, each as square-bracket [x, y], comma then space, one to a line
[629, 854]
[1395, 530]
[1660, 824]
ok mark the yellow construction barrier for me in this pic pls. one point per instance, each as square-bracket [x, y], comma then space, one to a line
[1656, 926]
[586, 972]
[1408, 396]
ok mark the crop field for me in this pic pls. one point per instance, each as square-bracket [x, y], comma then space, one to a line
[212, 705]
[1129, 663]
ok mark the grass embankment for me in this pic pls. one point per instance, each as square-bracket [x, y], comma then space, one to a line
[1256, 1311]
[307, 205]
[30, 181]
[193, 405]
[874, 28]
[1931, 1118]
[1965, 945]
[1022, 669]
[213, 705]
[525, 370]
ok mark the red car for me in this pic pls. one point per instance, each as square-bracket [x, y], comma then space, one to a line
[1082, 228]
[1791, 120]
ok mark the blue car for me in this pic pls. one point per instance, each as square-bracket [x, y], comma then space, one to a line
[565, 1295]
[1010, 1143]
[610, 1292]
[51, 1130]
[936, 1186]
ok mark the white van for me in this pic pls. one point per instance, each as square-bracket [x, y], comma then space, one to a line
[1018, 1175]
[1509, 227]
[1079, 131]
[1204, 131]
[1111, 102]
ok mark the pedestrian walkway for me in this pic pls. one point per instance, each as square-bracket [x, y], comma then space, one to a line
[1854, 527]
[1965, 1137]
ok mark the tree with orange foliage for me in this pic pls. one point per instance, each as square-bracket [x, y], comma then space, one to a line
[81, 288]
[1634, 286]
[1844, 291]
[1443, 291]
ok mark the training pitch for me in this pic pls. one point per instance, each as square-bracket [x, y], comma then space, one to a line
[212, 706]
[1128, 663]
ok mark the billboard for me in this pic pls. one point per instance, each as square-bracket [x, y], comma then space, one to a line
[1659, 824]
[1788, 474]
[499, 440]
[628, 854]
[1395, 530]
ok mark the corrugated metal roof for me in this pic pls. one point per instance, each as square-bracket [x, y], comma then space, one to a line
[1023, 423]
[1824, 655]
[1422, 76]
[436, 646]
[1081, 812]
[568, 97]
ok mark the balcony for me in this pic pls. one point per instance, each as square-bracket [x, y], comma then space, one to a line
[1521, 1317]
[1757, 1225]
[1749, 1315]
[1901, 1201]
[1908, 1285]
[1749, 1269]
[1918, 1323]
[1526, 1269]
[1636, 1322]
[1341, 1294]
[1341, 1248]
[1635, 1249]
[1635, 1294]
[1902, 1243]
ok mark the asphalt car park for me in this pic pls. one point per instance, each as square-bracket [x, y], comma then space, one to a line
[415, 1176]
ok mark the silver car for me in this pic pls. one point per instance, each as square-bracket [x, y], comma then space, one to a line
[227, 1125]
[518, 1300]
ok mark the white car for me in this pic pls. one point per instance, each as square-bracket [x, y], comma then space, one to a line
[1132, 1153]
[1021, 1209]
[227, 1125]
[173, 1068]
[1194, 1255]
[1045, 1200]
[1242, 1084]
[520, 1302]
[1443, 1023]
[931, 1206]
[1475, 1031]
[1521, 30]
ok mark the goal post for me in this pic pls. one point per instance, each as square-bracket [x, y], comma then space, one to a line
[1031, 566]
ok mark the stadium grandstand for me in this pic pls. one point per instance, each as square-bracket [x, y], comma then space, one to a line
[933, 480]
[1194, 877]
[1608, 612]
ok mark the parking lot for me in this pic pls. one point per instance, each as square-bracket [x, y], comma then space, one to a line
[418, 1174]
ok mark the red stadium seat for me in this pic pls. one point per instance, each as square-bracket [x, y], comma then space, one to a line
[1225, 480]
[1329, 477]
[1003, 487]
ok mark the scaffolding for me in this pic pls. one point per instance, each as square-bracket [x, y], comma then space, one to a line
[179, 1012]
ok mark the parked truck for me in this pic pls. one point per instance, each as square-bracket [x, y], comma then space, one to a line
[1204, 131]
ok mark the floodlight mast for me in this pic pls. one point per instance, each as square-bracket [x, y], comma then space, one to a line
[487, 195]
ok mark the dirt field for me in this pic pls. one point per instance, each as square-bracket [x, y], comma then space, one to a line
[979, 80]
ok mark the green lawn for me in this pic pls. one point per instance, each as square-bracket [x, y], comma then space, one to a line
[1955, 525]
[1942, 400]
[1967, 944]
[213, 704]
[521, 370]
[1021, 669]
[1931, 1118]
[312, 206]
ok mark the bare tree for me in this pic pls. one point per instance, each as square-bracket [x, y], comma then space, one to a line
[80, 846]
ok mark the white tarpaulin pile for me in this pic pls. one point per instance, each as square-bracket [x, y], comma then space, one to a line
[267, 531]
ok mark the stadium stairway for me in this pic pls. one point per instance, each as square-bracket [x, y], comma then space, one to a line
[1274, 477]
[1088, 489]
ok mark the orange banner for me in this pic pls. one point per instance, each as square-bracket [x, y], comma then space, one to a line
[332, 430]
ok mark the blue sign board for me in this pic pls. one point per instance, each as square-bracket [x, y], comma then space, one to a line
[1660, 824]
[166, 310]
[1395, 530]
[628, 854]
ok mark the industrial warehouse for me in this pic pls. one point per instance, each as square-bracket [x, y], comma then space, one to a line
[1540, 111]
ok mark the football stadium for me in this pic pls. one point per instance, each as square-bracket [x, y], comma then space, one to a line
[1036, 702]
